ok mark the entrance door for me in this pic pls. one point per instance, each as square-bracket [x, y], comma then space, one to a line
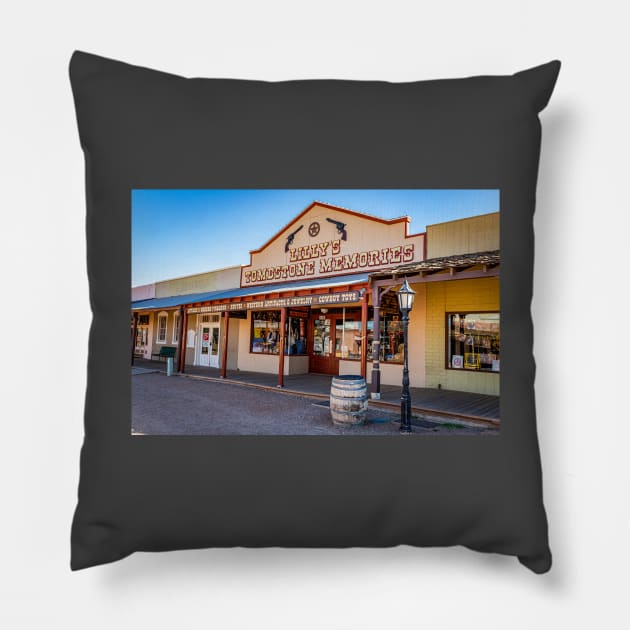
[209, 345]
[323, 357]
[214, 346]
[143, 337]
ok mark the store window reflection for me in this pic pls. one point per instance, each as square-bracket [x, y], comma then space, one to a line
[473, 341]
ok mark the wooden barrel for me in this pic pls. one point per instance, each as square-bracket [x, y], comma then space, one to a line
[348, 400]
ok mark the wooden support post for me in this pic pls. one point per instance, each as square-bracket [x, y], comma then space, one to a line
[181, 342]
[283, 323]
[183, 339]
[224, 354]
[134, 333]
[375, 388]
[364, 333]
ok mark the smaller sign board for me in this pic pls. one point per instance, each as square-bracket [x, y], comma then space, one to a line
[342, 297]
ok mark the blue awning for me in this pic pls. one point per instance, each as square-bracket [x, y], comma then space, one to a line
[224, 294]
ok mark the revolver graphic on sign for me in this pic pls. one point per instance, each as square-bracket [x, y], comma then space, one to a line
[341, 228]
[290, 239]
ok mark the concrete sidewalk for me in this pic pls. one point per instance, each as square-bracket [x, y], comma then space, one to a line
[465, 406]
[164, 405]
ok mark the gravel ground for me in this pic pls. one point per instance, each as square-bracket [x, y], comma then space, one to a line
[179, 405]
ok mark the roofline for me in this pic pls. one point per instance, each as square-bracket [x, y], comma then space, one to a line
[474, 216]
[355, 213]
[442, 262]
[190, 275]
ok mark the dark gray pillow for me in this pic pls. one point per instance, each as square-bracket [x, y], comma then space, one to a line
[140, 128]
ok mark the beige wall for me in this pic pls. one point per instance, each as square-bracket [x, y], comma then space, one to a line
[349, 367]
[248, 362]
[234, 330]
[391, 374]
[296, 364]
[227, 278]
[190, 356]
[464, 236]
[143, 292]
[457, 295]
[192, 325]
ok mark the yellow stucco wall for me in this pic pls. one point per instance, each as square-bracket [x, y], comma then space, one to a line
[464, 236]
[464, 296]
[417, 338]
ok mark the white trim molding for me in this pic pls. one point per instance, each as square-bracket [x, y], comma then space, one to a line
[175, 337]
[158, 339]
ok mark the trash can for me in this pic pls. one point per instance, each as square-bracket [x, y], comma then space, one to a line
[348, 400]
[169, 366]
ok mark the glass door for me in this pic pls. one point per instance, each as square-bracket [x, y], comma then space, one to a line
[143, 337]
[323, 359]
[348, 338]
[204, 346]
[214, 347]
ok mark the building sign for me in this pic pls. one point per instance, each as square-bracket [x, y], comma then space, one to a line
[342, 297]
[336, 241]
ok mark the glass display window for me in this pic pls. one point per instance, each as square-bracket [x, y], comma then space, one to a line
[161, 327]
[296, 333]
[392, 337]
[265, 335]
[473, 341]
[348, 339]
[321, 337]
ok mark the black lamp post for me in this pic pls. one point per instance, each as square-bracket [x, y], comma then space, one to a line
[405, 303]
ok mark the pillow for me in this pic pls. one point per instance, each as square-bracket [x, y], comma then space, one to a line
[220, 451]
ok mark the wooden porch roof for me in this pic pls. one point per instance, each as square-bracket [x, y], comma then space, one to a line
[458, 266]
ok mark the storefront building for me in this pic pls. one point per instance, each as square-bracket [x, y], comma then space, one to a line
[311, 298]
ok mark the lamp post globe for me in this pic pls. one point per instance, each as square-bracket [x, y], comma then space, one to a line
[405, 303]
[406, 296]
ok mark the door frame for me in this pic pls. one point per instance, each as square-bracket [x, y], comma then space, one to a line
[333, 361]
[209, 324]
[147, 349]
[217, 326]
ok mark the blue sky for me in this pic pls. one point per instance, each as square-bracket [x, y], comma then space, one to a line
[181, 232]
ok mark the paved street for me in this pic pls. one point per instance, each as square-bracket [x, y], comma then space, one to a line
[181, 405]
[474, 407]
